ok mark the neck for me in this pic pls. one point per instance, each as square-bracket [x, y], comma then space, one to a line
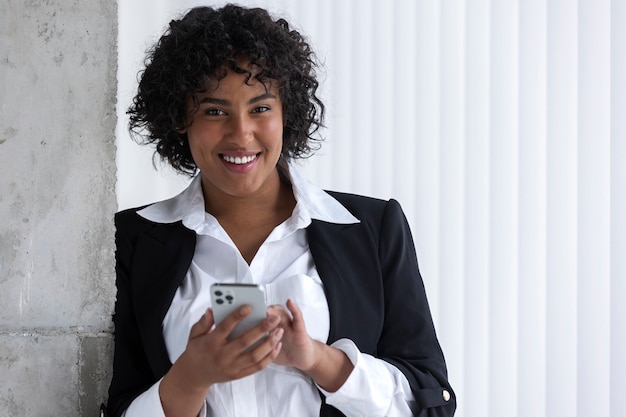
[249, 220]
[276, 197]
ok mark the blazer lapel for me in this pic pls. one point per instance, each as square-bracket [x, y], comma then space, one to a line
[164, 254]
[347, 261]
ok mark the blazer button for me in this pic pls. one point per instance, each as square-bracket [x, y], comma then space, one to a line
[446, 395]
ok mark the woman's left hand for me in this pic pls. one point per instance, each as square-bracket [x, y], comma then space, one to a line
[329, 367]
[299, 349]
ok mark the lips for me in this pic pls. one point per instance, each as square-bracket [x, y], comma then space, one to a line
[240, 163]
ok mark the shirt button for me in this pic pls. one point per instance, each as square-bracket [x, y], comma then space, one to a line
[446, 395]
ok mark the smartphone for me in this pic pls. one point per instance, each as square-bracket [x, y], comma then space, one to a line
[226, 298]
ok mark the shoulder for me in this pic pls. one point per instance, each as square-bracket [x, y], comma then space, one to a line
[133, 231]
[367, 208]
[131, 224]
[130, 218]
[358, 203]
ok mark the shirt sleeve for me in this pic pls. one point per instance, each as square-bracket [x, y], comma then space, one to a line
[374, 388]
[149, 404]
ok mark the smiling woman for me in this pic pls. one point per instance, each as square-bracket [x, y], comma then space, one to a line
[499, 127]
[229, 95]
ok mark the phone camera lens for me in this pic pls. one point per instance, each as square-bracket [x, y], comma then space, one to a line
[229, 298]
[219, 301]
[218, 293]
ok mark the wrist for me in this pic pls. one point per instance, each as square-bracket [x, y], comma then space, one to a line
[181, 380]
[179, 395]
[331, 368]
[318, 353]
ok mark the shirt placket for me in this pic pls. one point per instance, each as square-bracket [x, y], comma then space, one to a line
[244, 397]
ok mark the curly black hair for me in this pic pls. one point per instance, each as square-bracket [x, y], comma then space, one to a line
[202, 46]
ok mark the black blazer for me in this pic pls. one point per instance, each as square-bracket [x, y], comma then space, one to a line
[371, 279]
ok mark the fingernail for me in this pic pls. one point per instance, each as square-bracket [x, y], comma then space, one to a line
[274, 319]
[279, 334]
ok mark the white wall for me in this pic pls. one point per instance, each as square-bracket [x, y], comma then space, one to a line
[501, 129]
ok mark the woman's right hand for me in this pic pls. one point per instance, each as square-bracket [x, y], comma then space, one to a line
[210, 358]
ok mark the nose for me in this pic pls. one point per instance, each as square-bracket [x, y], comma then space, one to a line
[241, 129]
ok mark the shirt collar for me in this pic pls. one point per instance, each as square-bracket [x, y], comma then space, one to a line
[311, 203]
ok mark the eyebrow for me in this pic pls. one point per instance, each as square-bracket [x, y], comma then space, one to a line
[222, 102]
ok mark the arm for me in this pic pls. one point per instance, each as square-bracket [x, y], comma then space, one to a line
[355, 383]
[377, 300]
[408, 339]
[131, 371]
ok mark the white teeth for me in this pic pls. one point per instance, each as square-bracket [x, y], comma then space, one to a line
[239, 160]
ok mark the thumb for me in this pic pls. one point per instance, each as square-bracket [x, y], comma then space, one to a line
[296, 313]
[203, 325]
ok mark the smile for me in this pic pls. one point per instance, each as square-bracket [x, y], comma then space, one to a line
[239, 160]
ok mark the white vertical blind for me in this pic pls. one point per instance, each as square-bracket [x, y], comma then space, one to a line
[618, 208]
[476, 354]
[562, 209]
[500, 126]
[594, 202]
[532, 203]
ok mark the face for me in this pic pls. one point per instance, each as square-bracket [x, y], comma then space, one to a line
[236, 137]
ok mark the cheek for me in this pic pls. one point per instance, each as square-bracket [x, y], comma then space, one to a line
[274, 128]
[199, 145]
[195, 153]
[193, 142]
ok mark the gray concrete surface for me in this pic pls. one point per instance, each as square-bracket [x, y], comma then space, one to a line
[58, 65]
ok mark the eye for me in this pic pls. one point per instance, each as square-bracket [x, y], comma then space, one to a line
[214, 112]
[261, 109]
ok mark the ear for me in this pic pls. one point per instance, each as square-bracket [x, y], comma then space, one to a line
[181, 129]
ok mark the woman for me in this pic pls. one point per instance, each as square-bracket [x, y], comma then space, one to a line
[229, 94]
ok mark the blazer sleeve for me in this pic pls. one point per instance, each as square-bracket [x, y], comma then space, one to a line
[408, 339]
[132, 374]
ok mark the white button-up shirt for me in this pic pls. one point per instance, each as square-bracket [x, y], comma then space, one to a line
[284, 268]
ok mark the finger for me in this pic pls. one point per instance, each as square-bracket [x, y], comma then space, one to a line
[228, 324]
[276, 309]
[252, 336]
[267, 345]
[203, 325]
[280, 311]
[296, 313]
[257, 366]
[266, 352]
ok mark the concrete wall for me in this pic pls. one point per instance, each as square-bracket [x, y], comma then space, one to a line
[57, 199]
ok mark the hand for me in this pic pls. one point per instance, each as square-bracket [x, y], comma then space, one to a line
[214, 359]
[209, 358]
[327, 366]
[299, 349]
